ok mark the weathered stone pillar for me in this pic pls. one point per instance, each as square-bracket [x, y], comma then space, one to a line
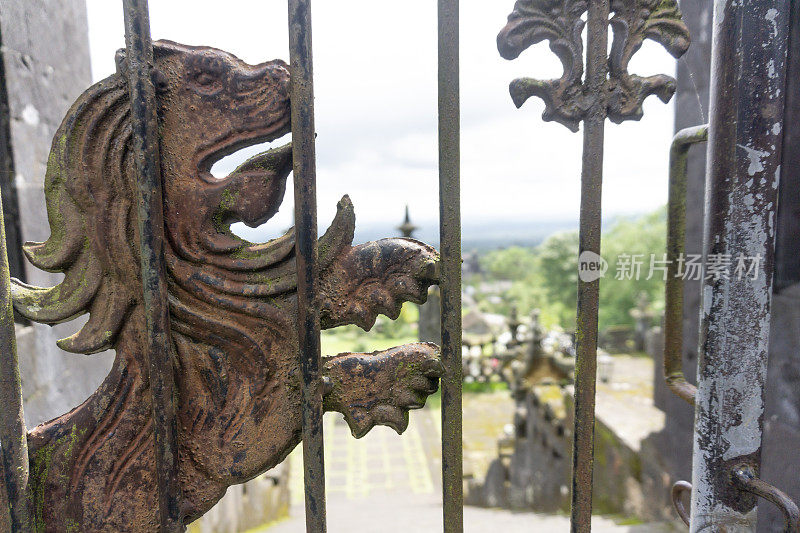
[45, 59]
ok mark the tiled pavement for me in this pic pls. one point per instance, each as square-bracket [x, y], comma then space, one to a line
[387, 483]
[382, 463]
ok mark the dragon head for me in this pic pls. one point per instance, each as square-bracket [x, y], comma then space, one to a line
[211, 104]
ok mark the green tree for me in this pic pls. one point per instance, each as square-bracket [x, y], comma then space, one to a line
[513, 263]
[558, 273]
[629, 246]
[546, 277]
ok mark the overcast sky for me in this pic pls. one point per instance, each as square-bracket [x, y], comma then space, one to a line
[375, 84]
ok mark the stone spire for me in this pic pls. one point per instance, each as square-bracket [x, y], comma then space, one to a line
[407, 228]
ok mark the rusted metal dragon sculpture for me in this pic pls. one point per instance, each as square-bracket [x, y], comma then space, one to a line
[232, 302]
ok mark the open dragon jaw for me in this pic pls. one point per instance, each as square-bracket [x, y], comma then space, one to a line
[232, 303]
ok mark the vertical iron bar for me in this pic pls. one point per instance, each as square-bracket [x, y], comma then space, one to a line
[13, 435]
[305, 201]
[16, 263]
[450, 246]
[158, 348]
[748, 69]
[5, 508]
[589, 241]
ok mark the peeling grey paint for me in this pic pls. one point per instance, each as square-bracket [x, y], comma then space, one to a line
[756, 165]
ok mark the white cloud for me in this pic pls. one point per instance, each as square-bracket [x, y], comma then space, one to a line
[375, 75]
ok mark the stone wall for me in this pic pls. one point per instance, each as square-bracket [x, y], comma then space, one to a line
[430, 318]
[662, 466]
[781, 460]
[535, 472]
[5, 517]
[780, 464]
[45, 54]
[540, 465]
[674, 443]
[259, 502]
[670, 451]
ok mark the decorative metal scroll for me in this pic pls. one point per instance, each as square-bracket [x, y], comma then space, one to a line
[604, 90]
[568, 99]
[232, 303]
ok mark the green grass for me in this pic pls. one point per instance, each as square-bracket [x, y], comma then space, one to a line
[434, 401]
[335, 342]
[482, 388]
[627, 520]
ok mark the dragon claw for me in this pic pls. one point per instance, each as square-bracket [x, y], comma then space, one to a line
[380, 388]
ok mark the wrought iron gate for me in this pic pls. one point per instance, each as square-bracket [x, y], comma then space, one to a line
[751, 44]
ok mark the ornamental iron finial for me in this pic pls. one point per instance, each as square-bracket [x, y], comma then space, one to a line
[568, 99]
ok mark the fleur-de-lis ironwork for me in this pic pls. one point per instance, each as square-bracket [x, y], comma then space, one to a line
[607, 90]
[568, 99]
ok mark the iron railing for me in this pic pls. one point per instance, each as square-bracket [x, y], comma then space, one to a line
[13, 434]
[450, 278]
[740, 219]
[158, 347]
[305, 197]
[744, 155]
[158, 350]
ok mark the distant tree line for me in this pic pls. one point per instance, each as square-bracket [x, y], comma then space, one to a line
[546, 276]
